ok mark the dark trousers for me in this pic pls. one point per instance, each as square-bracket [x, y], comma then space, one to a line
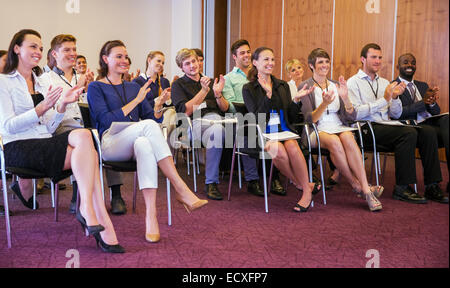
[440, 127]
[403, 142]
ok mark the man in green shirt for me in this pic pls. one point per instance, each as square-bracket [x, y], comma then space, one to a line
[232, 92]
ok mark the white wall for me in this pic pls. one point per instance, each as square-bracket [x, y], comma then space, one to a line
[186, 28]
[143, 25]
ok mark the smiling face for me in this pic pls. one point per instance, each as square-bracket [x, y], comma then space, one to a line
[156, 64]
[265, 62]
[65, 55]
[322, 67]
[296, 72]
[243, 57]
[30, 52]
[81, 65]
[407, 66]
[117, 60]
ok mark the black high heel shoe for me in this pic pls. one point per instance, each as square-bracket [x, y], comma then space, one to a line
[27, 203]
[302, 209]
[92, 230]
[106, 247]
[316, 189]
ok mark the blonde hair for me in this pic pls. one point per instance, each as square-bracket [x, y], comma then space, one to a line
[183, 54]
[291, 63]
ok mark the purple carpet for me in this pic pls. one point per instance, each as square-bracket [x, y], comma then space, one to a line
[239, 234]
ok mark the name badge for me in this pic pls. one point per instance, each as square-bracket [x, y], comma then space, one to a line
[274, 119]
[201, 106]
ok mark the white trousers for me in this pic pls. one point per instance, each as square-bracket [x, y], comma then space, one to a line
[143, 142]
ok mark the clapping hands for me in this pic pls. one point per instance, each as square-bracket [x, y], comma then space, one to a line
[328, 97]
[205, 81]
[393, 90]
[218, 85]
[303, 92]
[86, 78]
[265, 85]
[431, 96]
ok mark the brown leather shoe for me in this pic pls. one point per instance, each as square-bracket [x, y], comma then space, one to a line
[212, 192]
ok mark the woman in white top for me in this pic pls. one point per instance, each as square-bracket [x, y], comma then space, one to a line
[27, 121]
[329, 106]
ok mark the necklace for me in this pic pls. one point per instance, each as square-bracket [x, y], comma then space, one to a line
[124, 99]
[326, 88]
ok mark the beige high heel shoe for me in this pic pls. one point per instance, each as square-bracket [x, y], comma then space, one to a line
[152, 238]
[374, 203]
[196, 205]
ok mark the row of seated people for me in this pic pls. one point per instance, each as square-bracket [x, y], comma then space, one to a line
[330, 104]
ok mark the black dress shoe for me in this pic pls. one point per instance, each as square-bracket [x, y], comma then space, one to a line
[2, 211]
[408, 195]
[27, 203]
[73, 207]
[434, 193]
[212, 192]
[118, 206]
[277, 188]
[254, 188]
[331, 182]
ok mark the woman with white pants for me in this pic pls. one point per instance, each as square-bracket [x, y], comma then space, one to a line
[113, 100]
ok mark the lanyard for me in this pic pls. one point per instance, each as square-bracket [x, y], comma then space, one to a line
[65, 81]
[123, 100]
[157, 82]
[326, 88]
[371, 87]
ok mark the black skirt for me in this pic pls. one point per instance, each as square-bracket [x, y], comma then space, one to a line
[46, 155]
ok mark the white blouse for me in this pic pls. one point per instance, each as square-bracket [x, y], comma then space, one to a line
[18, 117]
[72, 116]
[330, 122]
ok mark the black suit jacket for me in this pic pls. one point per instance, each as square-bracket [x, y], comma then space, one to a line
[410, 109]
[256, 101]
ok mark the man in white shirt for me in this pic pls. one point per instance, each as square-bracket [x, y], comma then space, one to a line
[377, 101]
[63, 74]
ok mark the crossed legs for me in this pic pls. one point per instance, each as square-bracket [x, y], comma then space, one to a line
[288, 158]
[82, 158]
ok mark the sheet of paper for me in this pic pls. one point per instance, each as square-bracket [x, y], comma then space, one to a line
[117, 127]
[281, 136]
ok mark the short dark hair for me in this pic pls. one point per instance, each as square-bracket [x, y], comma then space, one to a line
[13, 60]
[3, 52]
[198, 52]
[236, 45]
[106, 49]
[403, 55]
[366, 48]
[253, 73]
[80, 56]
[316, 53]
